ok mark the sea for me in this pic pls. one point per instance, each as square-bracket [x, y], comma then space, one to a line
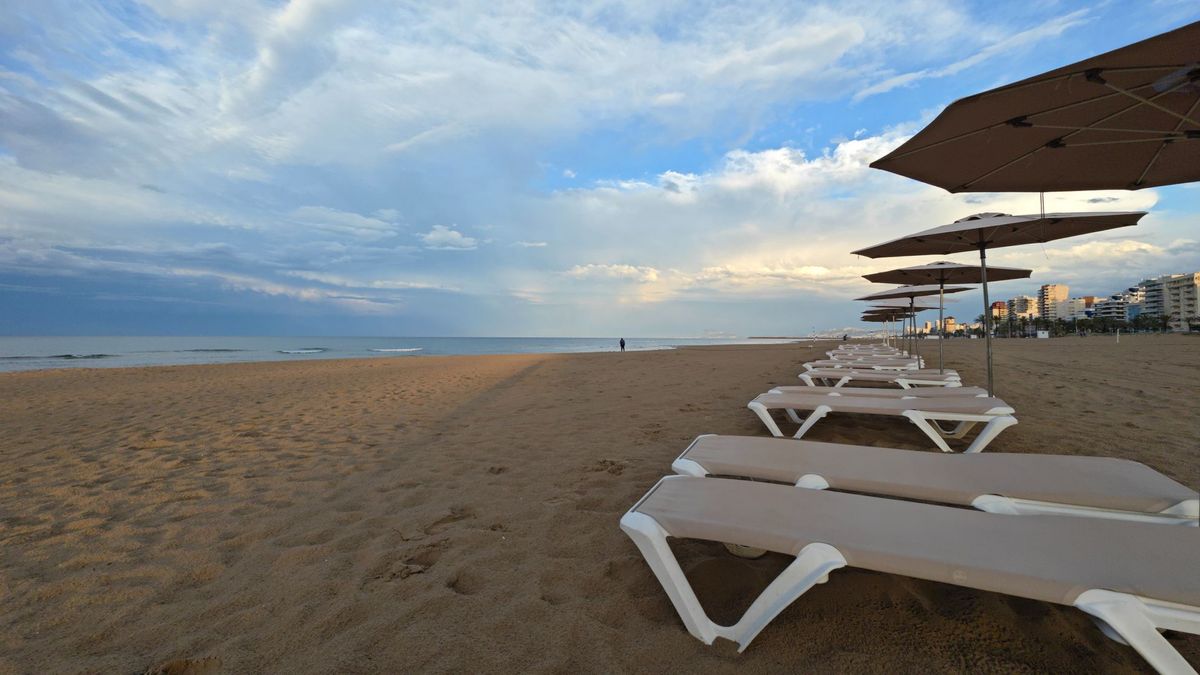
[37, 353]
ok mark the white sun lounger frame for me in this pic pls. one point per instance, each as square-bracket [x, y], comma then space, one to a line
[905, 381]
[1129, 619]
[926, 421]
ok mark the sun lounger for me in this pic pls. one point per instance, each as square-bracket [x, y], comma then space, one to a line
[892, 364]
[883, 392]
[1134, 578]
[837, 377]
[925, 413]
[1016, 484]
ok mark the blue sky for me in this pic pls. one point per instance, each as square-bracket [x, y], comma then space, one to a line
[329, 167]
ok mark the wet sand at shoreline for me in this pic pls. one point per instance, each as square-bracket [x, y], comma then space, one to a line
[460, 513]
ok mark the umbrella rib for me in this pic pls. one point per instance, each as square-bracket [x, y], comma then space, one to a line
[1158, 152]
[1177, 133]
[1167, 139]
[1150, 101]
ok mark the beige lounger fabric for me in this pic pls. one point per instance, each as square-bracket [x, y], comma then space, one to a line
[1051, 558]
[880, 375]
[926, 392]
[873, 405]
[1098, 482]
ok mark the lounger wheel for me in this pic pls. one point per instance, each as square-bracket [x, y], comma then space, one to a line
[747, 552]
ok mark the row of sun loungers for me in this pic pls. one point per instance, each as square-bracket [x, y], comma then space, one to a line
[1100, 534]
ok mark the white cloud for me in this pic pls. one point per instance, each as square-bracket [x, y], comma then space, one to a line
[531, 244]
[1002, 47]
[343, 222]
[348, 282]
[442, 238]
[614, 271]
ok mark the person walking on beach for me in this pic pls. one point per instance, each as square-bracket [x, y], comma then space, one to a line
[622, 344]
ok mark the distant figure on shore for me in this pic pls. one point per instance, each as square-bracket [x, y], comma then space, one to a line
[622, 344]
[845, 337]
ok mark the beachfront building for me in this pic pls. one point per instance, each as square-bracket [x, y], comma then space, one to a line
[1152, 293]
[1049, 297]
[1023, 307]
[1179, 300]
[1074, 309]
[949, 325]
[1111, 308]
[1000, 310]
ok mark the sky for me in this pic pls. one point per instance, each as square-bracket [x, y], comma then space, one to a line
[672, 169]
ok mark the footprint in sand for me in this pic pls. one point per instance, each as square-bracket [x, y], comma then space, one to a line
[403, 567]
[612, 466]
[456, 514]
[205, 666]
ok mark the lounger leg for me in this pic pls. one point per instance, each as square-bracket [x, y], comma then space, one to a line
[961, 429]
[651, 540]
[813, 417]
[810, 567]
[807, 379]
[794, 416]
[930, 431]
[844, 380]
[990, 431]
[1137, 622]
[765, 415]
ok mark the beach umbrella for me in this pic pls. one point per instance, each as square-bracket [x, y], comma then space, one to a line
[1127, 119]
[942, 273]
[911, 293]
[891, 314]
[887, 315]
[880, 318]
[991, 230]
[916, 304]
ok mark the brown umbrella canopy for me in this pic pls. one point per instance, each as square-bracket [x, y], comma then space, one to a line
[945, 272]
[913, 292]
[922, 302]
[992, 230]
[1126, 119]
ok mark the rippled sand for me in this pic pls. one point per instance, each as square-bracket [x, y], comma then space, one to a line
[460, 514]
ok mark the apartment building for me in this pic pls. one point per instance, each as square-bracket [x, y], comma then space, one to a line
[1000, 310]
[1023, 307]
[1179, 299]
[1152, 292]
[1048, 299]
[1074, 309]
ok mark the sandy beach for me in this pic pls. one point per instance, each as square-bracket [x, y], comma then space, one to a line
[459, 514]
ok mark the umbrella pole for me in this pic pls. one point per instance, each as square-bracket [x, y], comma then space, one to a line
[941, 330]
[987, 322]
[912, 303]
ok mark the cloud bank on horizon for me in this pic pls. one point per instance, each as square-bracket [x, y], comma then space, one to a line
[338, 167]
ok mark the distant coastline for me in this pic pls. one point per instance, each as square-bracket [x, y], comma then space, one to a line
[41, 353]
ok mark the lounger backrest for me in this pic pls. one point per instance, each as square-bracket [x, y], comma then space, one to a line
[1099, 482]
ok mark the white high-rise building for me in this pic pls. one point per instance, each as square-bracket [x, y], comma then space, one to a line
[1152, 292]
[1179, 299]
